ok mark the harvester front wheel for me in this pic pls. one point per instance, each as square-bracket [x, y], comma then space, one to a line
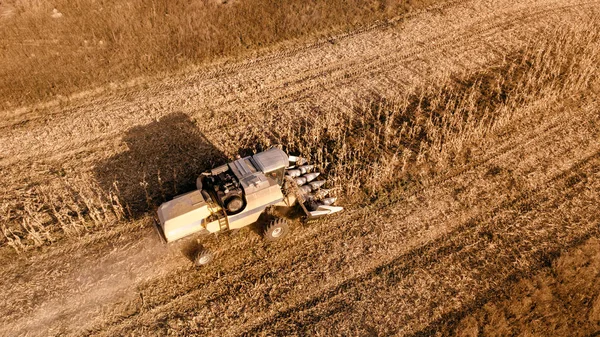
[203, 257]
[276, 230]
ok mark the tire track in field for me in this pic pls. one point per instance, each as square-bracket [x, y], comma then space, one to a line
[469, 233]
[216, 284]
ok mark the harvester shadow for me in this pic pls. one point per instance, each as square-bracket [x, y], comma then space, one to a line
[163, 160]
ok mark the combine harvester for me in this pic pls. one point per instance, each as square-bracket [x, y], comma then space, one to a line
[235, 195]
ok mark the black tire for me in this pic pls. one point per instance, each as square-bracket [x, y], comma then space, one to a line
[276, 230]
[203, 258]
[234, 204]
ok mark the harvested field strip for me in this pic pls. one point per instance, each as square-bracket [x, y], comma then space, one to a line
[377, 65]
[472, 35]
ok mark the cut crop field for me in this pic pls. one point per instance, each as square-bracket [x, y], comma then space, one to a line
[463, 140]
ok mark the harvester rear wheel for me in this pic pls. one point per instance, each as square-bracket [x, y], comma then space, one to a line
[203, 257]
[276, 230]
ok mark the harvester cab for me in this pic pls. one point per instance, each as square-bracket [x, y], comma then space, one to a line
[236, 194]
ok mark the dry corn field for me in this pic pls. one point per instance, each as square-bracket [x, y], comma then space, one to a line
[462, 138]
